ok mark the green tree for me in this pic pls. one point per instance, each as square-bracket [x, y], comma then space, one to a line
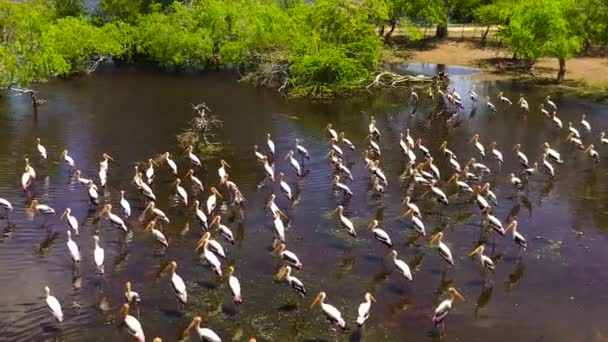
[544, 28]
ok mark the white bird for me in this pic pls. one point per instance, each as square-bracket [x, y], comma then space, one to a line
[73, 248]
[462, 186]
[401, 266]
[490, 105]
[177, 283]
[260, 157]
[410, 205]
[285, 188]
[493, 221]
[269, 171]
[550, 103]
[170, 163]
[114, 219]
[331, 313]
[182, 194]
[295, 283]
[496, 153]
[212, 200]
[576, 142]
[516, 181]
[417, 223]
[124, 204]
[585, 123]
[473, 95]
[133, 326]
[504, 99]
[592, 153]
[294, 163]
[332, 132]
[156, 212]
[200, 215]
[483, 259]
[72, 221]
[5, 204]
[344, 221]
[364, 309]
[346, 141]
[225, 232]
[41, 208]
[380, 234]
[214, 246]
[81, 180]
[547, 167]
[523, 104]
[41, 149]
[603, 138]
[279, 227]
[335, 148]
[195, 180]
[517, 237]
[209, 256]
[235, 286]
[150, 171]
[270, 144]
[443, 309]
[301, 150]
[204, 334]
[523, 159]
[68, 160]
[53, 305]
[341, 186]
[221, 172]
[131, 296]
[194, 160]
[543, 111]
[425, 151]
[551, 153]
[98, 255]
[289, 257]
[573, 130]
[480, 149]
[157, 234]
[104, 163]
[444, 250]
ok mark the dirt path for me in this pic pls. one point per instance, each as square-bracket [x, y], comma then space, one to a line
[589, 71]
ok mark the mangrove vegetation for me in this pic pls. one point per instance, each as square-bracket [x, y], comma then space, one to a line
[303, 48]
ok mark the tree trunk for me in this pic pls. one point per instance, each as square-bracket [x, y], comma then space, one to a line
[484, 36]
[393, 23]
[442, 29]
[381, 31]
[562, 69]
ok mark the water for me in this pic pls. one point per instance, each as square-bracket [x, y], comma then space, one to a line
[555, 292]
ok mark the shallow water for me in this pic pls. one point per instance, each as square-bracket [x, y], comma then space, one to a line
[554, 292]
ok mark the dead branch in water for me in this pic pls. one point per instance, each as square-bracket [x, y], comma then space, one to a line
[200, 130]
[35, 100]
[389, 79]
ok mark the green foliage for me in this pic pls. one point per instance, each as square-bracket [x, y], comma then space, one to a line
[543, 28]
[68, 8]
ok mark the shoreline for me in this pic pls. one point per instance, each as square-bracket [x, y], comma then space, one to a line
[585, 76]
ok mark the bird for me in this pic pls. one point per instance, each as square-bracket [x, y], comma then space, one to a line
[41, 208]
[401, 266]
[53, 305]
[5, 204]
[417, 223]
[285, 188]
[341, 186]
[495, 152]
[93, 193]
[332, 132]
[225, 232]
[295, 283]
[72, 221]
[209, 256]
[523, 159]
[177, 283]
[516, 181]
[503, 99]
[181, 193]
[41, 149]
[124, 204]
[234, 285]
[592, 153]
[222, 171]
[200, 215]
[444, 250]
[331, 313]
[259, 156]
[303, 152]
[603, 138]
[150, 171]
[198, 184]
[517, 237]
[462, 186]
[585, 123]
[294, 163]
[407, 202]
[194, 160]
[157, 234]
[131, 296]
[133, 326]
[156, 212]
[443, 309]
[114, 219]
[573, 130]
[204, 334]
[289, 257]
[73, 248]
[380, 234]
[480, 149]
[270, 144]
[550, 103]
[551, 153]
[98, 255]
[344, 221]
[212, 200]
[523, 104]
[490, 105]
[365, 308]
[346, 141]
[172, 165]
[486, 262]
[68, 160]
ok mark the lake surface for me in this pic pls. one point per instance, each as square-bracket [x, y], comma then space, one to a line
[554, 292]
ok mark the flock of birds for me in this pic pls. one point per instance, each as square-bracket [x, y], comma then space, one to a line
[419, 172]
